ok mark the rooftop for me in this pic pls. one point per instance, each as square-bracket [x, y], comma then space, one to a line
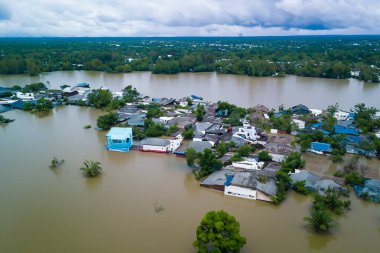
[119, 133]
[155, 142]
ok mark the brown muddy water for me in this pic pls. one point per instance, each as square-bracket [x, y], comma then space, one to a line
[60, 211]
[242, 90]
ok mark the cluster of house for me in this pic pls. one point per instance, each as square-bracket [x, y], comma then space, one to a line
[72, 95]
[249, 178]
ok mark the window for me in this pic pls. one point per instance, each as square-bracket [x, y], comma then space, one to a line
[116, 141]
[127, 140]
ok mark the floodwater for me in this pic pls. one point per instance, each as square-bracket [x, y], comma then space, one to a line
[241, 90]
[60, 211]
[44, 210]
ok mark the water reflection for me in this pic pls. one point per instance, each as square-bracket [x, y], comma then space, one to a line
[318, 241]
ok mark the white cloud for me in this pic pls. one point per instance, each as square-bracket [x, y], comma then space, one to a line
[187, 18]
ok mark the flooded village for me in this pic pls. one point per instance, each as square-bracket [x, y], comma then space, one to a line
[241, 152]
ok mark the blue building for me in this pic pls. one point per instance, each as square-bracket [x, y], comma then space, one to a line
[320, 147]
[345, 130]
[119, 139]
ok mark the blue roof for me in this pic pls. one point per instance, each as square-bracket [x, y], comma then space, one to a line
[352, 115]
[320, 146]
[119, 132]
[195, 97]
[316, 125]
[352, 139]
[83, 85]
[345, 130]
[228, 180]
[4, 108]
[324, 132]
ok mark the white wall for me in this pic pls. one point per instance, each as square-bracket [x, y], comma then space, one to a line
[155, 148]
[240, 192]
[277, 158]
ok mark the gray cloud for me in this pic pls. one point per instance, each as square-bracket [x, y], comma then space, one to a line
[188, 18]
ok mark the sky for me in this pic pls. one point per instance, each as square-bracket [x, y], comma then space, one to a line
[122, 18]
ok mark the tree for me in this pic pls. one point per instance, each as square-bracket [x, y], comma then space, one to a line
[264, 156]
[199, 112]
[100, 98]
[244, 150]
[4, 120]
[43, 105]
[154, 111]
[320, 219]
[208, 163]
[130, 94]
[292, 162]
[55, 163]
[364, 117]
[221, 149]
[300, 187]
[105, 122]
[91, 168]
[188, 133]
[191, 155]
[219, 232]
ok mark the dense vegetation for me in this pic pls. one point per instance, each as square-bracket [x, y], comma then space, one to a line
[206, 161]
[219, 231]
[290, 164]
[328, 56]
[320, 219]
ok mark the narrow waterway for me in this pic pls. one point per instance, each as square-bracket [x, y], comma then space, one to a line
[241, 90]
[44, 210]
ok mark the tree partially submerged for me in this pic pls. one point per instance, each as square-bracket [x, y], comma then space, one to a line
[55, 163]
[320, 220]
[4, 120]
[91, 168]
[105, 122]
[219, 232]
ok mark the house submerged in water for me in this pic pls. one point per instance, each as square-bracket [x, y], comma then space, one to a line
[119, 139]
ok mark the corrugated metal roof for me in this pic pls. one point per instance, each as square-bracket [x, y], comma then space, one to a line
[320, 146]
[156, 142]
[119, 133]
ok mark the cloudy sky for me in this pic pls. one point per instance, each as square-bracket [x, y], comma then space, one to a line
[188, 18]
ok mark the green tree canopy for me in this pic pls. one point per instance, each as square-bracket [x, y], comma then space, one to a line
[100, 98]
[91, 168]
[105, 122]
[219, 232]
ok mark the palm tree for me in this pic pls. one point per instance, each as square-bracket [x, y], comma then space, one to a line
[320, 219]
[91, 168]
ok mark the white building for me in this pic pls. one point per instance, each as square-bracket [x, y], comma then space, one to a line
[300, 123]
[26, 96]
[277, 157]
[156, 145]
[159, 145]
[175, 143]
[248, 133]
[316, 112]
[341, 115]
[241, 192]
[248, 165]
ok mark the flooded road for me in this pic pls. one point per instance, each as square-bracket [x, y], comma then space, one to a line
[44, 210]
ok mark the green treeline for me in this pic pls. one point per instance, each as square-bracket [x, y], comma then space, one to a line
[327, 57]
